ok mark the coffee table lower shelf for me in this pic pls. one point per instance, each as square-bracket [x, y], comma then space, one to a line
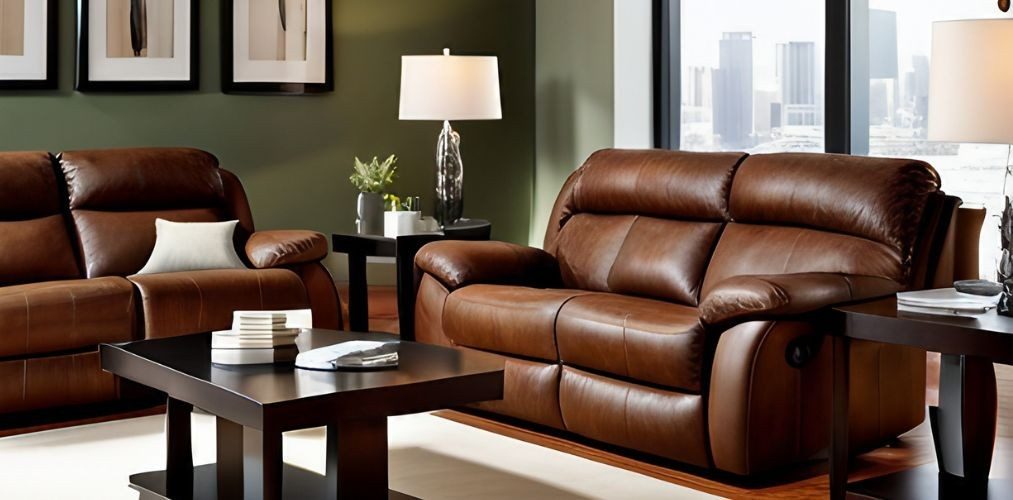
[297, 483]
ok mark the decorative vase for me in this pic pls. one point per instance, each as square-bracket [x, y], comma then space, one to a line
[370, 209]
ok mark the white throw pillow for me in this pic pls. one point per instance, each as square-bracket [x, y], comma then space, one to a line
[192, 246]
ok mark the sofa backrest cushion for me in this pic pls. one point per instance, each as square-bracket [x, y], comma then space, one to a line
[641, 222]
[115, 196]
[35, 243]
[796, 212]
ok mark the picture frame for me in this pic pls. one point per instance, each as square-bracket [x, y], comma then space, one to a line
[28, 44]
[277, 47]
[137, 45]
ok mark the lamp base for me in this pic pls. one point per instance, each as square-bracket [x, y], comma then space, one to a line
[449, 177]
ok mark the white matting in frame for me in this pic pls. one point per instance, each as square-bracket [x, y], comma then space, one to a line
[32, 63]
[311, 70]
[111, 69]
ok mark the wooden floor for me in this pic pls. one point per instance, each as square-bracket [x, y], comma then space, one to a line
[808, 481]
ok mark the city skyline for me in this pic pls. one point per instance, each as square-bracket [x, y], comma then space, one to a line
[896, 90]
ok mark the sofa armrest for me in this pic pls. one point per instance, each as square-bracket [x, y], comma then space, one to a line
[284, 248]
[757, 297]
[458, 263]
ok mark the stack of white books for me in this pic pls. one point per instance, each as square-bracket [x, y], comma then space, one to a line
[256, 337]
[945, 302]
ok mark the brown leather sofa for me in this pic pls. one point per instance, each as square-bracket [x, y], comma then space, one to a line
[676, 307]
[73, 231]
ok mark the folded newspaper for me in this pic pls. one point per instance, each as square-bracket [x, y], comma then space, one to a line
[355, 354]
[945, 302]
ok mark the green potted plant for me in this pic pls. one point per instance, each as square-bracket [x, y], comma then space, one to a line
[372, 179]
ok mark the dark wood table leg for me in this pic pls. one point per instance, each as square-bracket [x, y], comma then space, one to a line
[407, 247]
[839, 420]
[229, 464]
[964, 423]
[358, 293]
[178, 450]
[249, 462]
[357, 459]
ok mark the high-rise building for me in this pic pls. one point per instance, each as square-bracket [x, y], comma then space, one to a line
[882, 44]
[796, 70]
[696, 95]
[763, 101]
[920, 89]
[697, 86]
[879, 103]
[733, 90]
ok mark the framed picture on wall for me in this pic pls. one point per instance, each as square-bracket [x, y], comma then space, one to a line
[125, 45]
[277, 46]
[28, 44]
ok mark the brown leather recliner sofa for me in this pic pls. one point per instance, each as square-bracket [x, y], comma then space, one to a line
[676, 307]
[74, 230]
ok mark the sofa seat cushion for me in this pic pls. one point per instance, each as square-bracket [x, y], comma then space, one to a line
[530, 392]
[642, 339]
[665, 423]
[54, 381]
[200, 301]
[54, 316]
[506, 319]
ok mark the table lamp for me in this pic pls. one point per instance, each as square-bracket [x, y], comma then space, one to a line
[445, 88]
[971, 96]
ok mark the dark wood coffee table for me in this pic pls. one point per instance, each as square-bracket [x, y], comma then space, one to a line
[255, 404]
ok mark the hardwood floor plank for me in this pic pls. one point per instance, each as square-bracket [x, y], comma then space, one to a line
[806, 481]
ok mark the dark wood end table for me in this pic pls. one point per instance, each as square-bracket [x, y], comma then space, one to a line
[964, 423]
[403, 249]
[255, 404]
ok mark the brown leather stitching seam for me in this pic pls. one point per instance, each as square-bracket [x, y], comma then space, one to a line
[555, 322]
[200, 299]
[851, 289]
[791, 252]
[73, 314]
[260, 290]
[619, 251]
[626, 352]
[749, 389]
[28, 321]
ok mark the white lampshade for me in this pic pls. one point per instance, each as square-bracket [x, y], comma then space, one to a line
[971, 81]
[450, 88]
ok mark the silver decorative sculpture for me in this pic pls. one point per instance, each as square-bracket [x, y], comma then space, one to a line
[449, 177]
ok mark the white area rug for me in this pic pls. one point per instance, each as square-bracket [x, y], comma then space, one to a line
[430, 457]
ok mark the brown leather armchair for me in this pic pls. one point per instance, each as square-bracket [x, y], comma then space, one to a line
[74, 230]
[675, 308]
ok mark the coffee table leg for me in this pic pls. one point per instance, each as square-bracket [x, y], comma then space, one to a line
[357, 459]
[178, 451]
[249, 462]
[839, 420]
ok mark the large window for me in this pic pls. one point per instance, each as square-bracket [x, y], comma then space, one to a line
[751, 75]
[755, 76]
[894, 78]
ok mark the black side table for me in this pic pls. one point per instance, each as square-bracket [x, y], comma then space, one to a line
[403, 249]
[964, 423]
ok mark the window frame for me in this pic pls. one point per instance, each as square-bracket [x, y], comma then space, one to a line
[841, 117]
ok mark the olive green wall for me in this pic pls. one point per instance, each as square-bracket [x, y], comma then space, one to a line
[573, 92]
[294, 154]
